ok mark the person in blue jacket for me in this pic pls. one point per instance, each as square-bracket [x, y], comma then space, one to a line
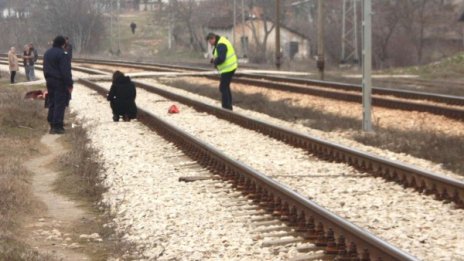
[57, 73]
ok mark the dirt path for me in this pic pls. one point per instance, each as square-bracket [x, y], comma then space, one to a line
[52, 232]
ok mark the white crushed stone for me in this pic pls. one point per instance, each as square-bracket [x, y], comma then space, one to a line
[330, 136]
[418, 224]
[166, 219]
[424, 227]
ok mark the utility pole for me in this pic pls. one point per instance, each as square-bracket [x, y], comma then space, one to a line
[320, 37]
[111, 26]
[367, 65]
[277, 36]
[118, 20]
[244, 44]
[350, 53]
[171, 20]
[235, 22]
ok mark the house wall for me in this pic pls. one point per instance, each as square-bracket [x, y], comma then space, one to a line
[286, 37]
[246, 30]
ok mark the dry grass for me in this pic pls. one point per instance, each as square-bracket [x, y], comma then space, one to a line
[281, 109]
[436, 147]
[422, 143]
[21, 125]
[81, 179]
[81, 171]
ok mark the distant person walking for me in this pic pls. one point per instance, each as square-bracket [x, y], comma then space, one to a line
[122, 97]
[226, 62]
[133, 26]
[57, 72]
[13, 64]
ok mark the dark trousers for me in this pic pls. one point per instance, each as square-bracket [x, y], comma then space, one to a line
[12, 76]
[224, 87]
[58, 97]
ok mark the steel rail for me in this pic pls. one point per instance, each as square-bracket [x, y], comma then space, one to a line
[407, 94]
[455, 113]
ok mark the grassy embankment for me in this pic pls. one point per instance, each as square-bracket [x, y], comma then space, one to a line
[150, 41]
[22, 123]
[80, 180]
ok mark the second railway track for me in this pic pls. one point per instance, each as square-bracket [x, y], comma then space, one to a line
[325, 89]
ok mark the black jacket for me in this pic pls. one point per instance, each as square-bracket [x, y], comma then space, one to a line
[122, 97]
[57, 66]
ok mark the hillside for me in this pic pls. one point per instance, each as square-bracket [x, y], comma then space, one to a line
[148, 43]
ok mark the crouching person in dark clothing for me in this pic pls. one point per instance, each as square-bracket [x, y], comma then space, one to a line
[122, 97]
[57, 72]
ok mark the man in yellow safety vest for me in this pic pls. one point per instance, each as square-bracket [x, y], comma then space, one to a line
[226, 62]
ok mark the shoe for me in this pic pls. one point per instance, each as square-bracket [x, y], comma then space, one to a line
[56, 131]
[126, 118]
[115, 118]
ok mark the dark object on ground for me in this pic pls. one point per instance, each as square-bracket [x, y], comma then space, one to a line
[57, 131]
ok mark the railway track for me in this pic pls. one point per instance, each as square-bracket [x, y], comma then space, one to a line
[273, 201]
[276, 205]
[308, 224]
[442, 188]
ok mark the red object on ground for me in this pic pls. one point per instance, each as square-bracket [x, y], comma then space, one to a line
[35, 95]
[173, 109]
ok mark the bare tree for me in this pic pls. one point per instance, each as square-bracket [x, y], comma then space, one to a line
[261, 26]
[385, 26]
[136, 5]
[81, 20]
[187, 18]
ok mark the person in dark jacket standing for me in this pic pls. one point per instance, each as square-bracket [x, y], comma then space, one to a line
[226, 62]
[122, 97]
[57, 73]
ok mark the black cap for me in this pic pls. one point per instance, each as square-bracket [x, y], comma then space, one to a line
[210, 36]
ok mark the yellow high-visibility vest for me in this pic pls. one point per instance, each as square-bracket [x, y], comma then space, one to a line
[231, 61]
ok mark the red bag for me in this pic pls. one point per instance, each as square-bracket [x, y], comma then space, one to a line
[173, 109]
